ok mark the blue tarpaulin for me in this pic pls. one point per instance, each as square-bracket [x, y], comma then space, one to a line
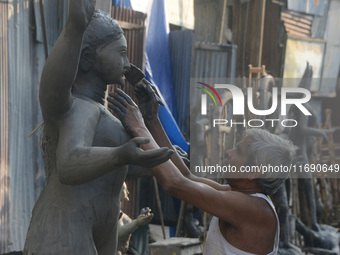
[158, 53]
[122, 3]
[159, 71]
[169, 124]
[158, 68]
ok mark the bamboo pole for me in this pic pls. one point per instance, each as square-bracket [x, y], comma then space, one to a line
[223, 21]
[42, 15]
[159, 205]
[180, 219]
[263, 14]
[205, 228]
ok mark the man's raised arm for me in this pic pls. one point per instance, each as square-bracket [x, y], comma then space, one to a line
[156, 129]
[62, 64]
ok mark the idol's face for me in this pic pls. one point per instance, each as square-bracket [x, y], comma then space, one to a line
[111, 61]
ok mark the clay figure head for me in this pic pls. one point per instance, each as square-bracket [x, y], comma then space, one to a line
[104, 49]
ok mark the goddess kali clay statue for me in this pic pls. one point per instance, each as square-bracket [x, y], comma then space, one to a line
[86, 149]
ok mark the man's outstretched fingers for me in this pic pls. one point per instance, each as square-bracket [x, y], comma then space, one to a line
[111, 94]
[109, 98]
[125, 96]
[116, 110]
[155, 94]
[139, 88]
[120, 99]
[151, 92]
[141, 94]
[119, 105]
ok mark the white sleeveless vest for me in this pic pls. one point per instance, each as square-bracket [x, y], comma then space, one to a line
[216, 244]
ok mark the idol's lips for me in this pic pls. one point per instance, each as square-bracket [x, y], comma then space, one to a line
[122, 80]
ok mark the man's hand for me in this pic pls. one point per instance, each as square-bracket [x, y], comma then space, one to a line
[127, 111]
[130, 153]
[131, 118]
[148, 99]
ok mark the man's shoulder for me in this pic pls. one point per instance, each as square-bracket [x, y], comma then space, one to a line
[255, 208]
[263, 215]
[258, 216]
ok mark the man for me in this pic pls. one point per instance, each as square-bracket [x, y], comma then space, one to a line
[245, 221]
[86, 149]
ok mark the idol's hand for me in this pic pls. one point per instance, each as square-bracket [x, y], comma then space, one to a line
[130, 153]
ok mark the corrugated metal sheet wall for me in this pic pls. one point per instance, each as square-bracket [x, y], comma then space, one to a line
[210, 61]
[22, 59]
[181, 44]
[214, 61]
[214, 64]
[308, 6]
[21, 148]
[4, 180]
[331, 64]
[297, 24]
[18, 174]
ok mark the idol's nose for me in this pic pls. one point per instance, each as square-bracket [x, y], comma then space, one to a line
[127, 65]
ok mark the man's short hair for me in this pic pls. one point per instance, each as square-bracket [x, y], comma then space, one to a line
[266, 149]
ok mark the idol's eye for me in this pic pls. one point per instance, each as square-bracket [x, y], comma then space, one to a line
[123, 53]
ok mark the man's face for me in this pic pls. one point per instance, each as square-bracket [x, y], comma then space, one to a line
[238, 157]
[111, 61]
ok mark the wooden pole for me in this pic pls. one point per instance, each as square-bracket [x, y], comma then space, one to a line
[42, 15]
[205, 228]
[263, 14]
[159, 205]
[180, 219]
[223, 21]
